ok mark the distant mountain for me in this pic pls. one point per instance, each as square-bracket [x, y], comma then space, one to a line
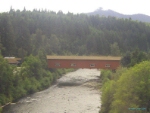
[138, 17]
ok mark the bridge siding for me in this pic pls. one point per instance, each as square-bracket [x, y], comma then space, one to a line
[99, 64]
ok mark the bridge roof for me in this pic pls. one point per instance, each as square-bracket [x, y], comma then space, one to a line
[83, 57]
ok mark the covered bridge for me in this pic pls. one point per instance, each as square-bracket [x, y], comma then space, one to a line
[99, 62]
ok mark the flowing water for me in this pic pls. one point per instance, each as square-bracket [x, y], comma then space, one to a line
[75, 92]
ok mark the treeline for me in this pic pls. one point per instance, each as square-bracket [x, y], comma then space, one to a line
[128, 89]
[32, 76]
[26, 32]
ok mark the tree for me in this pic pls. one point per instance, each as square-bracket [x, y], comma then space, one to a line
[55, 44]
[133, 89]
[107, 96]
[132, 58]
[6, 81]
[126, 59]
[1, 47]
[7, 35]
[109, 84]
[115, 51]
[32, 67]
[137, 57]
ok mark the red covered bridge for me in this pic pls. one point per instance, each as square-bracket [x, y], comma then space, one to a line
[99, 62]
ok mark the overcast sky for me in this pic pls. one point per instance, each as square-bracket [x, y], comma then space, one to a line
[79, 6]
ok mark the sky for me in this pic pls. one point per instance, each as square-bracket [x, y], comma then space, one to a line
[79, 6]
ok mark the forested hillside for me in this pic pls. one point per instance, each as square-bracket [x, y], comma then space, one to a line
[26, 32]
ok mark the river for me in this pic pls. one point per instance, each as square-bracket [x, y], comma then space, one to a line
[75, 92]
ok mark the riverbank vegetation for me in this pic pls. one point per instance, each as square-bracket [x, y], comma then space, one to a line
[32, 76]
[126, 88]
[113, 90]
